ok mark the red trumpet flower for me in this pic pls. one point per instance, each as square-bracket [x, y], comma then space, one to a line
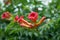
[6, 15]
[33, 16]
[20, 20]
[41, 21]
[23, 22]
[16, 18]
[25, 25]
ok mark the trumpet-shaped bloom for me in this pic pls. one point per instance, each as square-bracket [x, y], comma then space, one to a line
[33, 16]
[16, 18]
[20, 20]
[41, 21]
[5, 15]
[25, 25]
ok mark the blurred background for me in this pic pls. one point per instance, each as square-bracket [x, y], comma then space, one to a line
[48, 30]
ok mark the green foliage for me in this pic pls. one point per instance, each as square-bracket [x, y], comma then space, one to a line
[49, 30]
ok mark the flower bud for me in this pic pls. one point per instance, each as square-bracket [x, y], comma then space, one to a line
[41, 21]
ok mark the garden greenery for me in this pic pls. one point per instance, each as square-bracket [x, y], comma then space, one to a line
[29, 20]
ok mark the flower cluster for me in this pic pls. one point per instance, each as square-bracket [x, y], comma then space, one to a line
[33, 16]
[22, 22]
